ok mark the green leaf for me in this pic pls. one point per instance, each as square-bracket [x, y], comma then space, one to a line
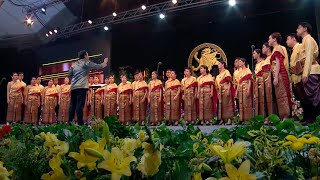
[274, 119]
[206, 167]
[254, 133]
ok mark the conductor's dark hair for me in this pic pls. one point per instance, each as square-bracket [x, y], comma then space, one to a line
[82, 54]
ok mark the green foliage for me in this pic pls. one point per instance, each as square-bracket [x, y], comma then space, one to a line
[183, 152]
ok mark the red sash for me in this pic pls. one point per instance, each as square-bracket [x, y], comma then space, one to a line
[128, 91]
[66, 93]
[260, 73]
[142, 88]
[174, 87]
[112, 90]
[156, 87]
[207, 83]
[53, 95]
[195, 84]
[99, 91]
[266, 67]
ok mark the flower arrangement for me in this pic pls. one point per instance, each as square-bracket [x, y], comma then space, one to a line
[297, 111]
[109, 150]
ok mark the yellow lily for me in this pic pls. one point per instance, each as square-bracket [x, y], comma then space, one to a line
[150, 161]
[238, 174]
[57, 172]
[313, 140]
[87, 159]
[143, 136]
[117, 163]
[4, 173]
[230, 151]
[130, 145]
[56, 147]
[197, 176]
[295, 143]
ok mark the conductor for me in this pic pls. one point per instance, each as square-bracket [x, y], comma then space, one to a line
[79, 73]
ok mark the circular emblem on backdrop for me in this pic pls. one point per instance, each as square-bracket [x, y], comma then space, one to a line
[206, 54]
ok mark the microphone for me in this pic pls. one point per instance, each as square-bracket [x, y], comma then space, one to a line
[3, 79]
[252, 60]
[159, 63]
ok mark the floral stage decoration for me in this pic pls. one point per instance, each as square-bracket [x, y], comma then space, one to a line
[109, 150]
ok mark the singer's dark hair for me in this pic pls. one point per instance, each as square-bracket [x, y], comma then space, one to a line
[205, 67]
[259, 51]
[137, 72]
[111, 75]
[266, 44]
[237, 58]
[306, 25]
[169, 70]
[33, 77]
[14, 73]
[82, 54]
[244, 60]
[224, 64]
[294, 35]
[38, 76]
[20, 73]
[188, 68]
[121, 75]
[277, 36]
[175, 72]
[155, 73]
[55, 78]
[90, 77]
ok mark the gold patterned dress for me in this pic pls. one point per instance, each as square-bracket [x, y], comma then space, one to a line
[282, 89]
[139, 105]
[124, 98]
[14, 113]
[189, 90]
[263, 88]
[225, 95]
[207, 97]
[156, 101]
[64, 104]
[96, 103]
[50, 102]
[245, 94]
[110, 100]
[173, 106]
[32, 102]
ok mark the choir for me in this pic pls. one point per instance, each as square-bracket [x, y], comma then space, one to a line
[265, 91]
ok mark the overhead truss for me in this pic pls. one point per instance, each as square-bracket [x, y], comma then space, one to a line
[133, 15]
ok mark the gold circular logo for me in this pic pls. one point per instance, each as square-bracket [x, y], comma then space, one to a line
[206, 54]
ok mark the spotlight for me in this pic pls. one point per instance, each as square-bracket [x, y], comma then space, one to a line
[89, 21]
[232, 2]
[162, 16]
[174, 1]
[55, 31]
[47, 35]
[143, 7]
[114, 14]
[43, 10]
[50, 32]
[28, 21]
[106, 28]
